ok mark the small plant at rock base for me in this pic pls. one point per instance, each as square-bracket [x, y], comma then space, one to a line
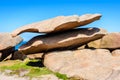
[29, 65]
[61, 76]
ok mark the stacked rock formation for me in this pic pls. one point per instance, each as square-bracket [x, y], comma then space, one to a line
[60, 33]
[87, 53]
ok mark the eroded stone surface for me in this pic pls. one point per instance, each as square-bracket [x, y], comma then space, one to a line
[94, 44]
[89, 64]
[35, 55]
[116, 52]
[7, 41]
[7, 44]
[62, 40]
[109, 41]
[56, 24]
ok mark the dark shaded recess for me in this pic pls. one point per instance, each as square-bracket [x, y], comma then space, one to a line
[17, 55]
[110, 49]
[6, 53]
[36, 64]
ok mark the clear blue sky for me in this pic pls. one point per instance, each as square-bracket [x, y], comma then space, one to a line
[16, 13]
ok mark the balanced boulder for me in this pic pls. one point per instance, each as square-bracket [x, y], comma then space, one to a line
[56, 24]
[95, 44]
[62, 40]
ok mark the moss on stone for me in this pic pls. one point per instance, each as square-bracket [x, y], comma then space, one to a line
[35, 68]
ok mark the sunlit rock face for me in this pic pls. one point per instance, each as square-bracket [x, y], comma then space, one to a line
[60, 23]
[7, 41]
[89, 64]
[109, 41]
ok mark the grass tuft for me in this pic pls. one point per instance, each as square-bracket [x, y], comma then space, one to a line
[34, 67]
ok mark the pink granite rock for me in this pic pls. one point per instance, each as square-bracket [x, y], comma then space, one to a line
[110, 41]
[56, 24]
[97, 64]
[116, 52]
[7, 41]
[62, 40]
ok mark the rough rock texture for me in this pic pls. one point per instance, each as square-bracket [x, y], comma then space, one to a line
[89, 64]
[35, 55]
[18, 55]
[94, 44]
[116, 52]
[59, 23]
[109, 41]
[62, 40]
[7, 41]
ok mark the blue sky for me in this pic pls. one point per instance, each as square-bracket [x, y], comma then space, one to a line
[16, 13]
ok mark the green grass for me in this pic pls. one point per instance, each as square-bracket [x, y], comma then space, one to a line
[30, 65]
[61, 76]
[39, 71]
[15, 66]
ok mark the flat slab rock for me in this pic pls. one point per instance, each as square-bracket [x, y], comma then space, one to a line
[88, 64]
[109, 41]
[56, 24]
[62, 40]
[7, 41]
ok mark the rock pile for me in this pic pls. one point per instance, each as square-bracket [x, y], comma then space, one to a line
[65, 35]
[88, 53]
[97, 64]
